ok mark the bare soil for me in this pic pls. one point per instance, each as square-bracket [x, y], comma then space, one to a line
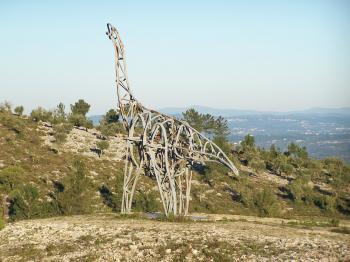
[114, 238]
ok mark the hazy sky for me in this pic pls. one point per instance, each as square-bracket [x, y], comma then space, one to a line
[263, 55]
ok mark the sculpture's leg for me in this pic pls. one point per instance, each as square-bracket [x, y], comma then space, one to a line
[130, 180]
[166, 192]
[188, 179]
[183, 191]
[125, 199]
[181, 195]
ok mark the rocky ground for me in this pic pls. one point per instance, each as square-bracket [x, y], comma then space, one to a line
[112, 238]
[84, 142]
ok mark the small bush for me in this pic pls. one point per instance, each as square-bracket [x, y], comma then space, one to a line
[10, 178]
[257, 164]
[334, 222]
[80, 120]
[2, 223]
[59, 115]
[80, 108]
[111, 129]
[300, 191]
[266, 202]
[248, 143]
[263, 201]
[103, 145]
[2, 214]
[12, 123]
[341, 230]
[6, 107]
[41, 114]
[61, 131]
[109, 199]
[111, 116]
[19, 110]
[113, 199]
[326, 203]
[77, 194]
[175, 219]
[147, 202]
[24, 203]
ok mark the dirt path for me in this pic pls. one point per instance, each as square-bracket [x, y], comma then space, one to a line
[107, 238]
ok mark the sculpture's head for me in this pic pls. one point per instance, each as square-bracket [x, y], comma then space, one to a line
[111, 31]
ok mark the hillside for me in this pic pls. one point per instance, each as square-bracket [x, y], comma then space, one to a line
[37, 165]
[57, 170]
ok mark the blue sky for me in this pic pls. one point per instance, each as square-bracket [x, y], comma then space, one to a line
[261, 55]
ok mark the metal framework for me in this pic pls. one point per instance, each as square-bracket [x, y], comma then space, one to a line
[158, 145]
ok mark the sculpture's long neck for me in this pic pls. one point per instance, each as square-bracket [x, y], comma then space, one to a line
[126, 100]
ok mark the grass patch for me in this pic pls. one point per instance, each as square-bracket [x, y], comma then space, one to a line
[59, 249]
[312, 223]
[341, 230]
[27, 252]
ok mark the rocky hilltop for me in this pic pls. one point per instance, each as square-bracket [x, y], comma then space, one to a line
[58, 170]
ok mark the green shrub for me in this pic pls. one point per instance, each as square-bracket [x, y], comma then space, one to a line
[2, 215]
[80, 120]
[246, 196]
[326, 203]
[334, 222]
[2, 223]
[222, 142]
[110, 199]
[24, 203]
[111, 129]
[257, 164]
[80, 108]
[248, 143]
[297, 151]
[263, 201]
[61, 131]
[147, 202]
[19, 110]
[10, 178]
[59, 115]
[6, 107]
[341, 230]
[212, 172]
[266, 202]
[41, 114]
[77, 195]
[103, 145]
[111, 116]
[343, 206]
[13, 123]
[300, 191]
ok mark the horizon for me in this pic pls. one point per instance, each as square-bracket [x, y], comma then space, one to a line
[170, 108]
[266, 57]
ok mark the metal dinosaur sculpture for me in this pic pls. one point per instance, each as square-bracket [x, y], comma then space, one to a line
[158, 145]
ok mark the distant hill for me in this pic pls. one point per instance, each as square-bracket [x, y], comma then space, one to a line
[325, 111]
[324, 131]
[240, 112]
[210, 110]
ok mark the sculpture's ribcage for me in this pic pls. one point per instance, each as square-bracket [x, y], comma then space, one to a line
[166, 143]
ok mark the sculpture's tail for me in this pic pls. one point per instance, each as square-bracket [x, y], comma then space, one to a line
[200, 148]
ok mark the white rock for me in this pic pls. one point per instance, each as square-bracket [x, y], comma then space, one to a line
[133, 248]
[195, 252]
